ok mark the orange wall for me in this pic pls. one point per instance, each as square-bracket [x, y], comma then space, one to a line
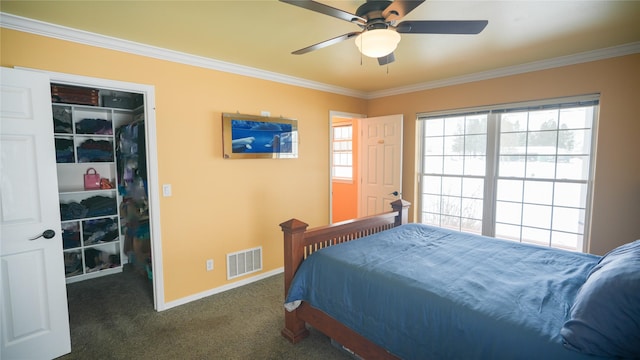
[218, 206]
[616, 202]
[345, 195]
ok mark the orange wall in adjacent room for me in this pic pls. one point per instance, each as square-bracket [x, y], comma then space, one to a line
[345, 194]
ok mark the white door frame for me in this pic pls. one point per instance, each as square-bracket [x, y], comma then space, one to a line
[153, 183]
[341, 115]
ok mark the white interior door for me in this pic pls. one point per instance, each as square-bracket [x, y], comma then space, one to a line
[380, 163]
[35, 317]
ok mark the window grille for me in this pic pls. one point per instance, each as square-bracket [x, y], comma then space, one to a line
[342, 166]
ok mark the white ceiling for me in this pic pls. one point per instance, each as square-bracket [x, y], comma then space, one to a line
[262, 35]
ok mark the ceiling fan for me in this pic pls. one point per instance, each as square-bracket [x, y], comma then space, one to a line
[380, 32]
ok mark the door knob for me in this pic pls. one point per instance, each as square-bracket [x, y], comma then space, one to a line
[395, 193]
[47, 234]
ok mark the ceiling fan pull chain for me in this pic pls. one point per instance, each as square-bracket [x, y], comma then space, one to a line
[361, 51]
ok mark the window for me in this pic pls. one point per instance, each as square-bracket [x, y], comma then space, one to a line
[520, 172]
[342, 167]
[454, 171]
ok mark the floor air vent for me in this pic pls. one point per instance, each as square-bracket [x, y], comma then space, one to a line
[244, 262]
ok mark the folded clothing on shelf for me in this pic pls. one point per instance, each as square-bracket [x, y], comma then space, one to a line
[94, 126]
[62, 120]
[91, 207]
[100, 231]
[64, 150]
[95, 151]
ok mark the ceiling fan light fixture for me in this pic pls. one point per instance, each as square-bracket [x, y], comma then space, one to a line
[377, 43]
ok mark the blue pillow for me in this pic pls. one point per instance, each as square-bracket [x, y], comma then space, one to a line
[605, 317]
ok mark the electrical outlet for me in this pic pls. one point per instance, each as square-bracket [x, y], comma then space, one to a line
[209, 264]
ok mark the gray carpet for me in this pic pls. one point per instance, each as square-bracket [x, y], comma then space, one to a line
[112, 317]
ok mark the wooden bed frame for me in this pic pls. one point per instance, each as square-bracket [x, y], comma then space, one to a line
[300, 243]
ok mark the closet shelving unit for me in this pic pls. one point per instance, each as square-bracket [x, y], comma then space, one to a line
[91, 224]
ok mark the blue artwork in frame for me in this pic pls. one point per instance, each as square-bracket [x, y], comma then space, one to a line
[258, 137]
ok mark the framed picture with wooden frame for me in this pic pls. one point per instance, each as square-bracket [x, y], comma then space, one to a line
[259, 137]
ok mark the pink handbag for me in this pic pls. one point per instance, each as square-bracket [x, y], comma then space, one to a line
[91, 179]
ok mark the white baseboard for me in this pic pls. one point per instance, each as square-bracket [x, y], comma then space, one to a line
[204, 294]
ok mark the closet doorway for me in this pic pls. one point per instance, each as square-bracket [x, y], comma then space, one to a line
[130, 172]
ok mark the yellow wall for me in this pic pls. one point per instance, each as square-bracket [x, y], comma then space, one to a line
[220, 206]
[616, 203]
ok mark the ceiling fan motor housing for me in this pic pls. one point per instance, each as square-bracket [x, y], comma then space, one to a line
[372, 11]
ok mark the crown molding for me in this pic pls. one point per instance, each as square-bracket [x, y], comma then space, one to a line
[37, 27]
[601, 54]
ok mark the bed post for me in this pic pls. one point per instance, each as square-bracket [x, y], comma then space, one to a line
[402, 207]
[294, 328]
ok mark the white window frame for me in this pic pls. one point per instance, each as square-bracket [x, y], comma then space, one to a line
[492, 155]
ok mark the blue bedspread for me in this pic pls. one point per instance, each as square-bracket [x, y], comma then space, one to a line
[424, 292]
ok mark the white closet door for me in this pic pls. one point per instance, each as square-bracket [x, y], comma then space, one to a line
[35, 319]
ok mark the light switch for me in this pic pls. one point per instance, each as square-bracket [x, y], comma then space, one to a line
[166, 190]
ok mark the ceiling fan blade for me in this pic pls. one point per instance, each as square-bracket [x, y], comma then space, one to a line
[326, 43]
[327, 10]
[400, 8]
[442, 27]
[386, 59]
